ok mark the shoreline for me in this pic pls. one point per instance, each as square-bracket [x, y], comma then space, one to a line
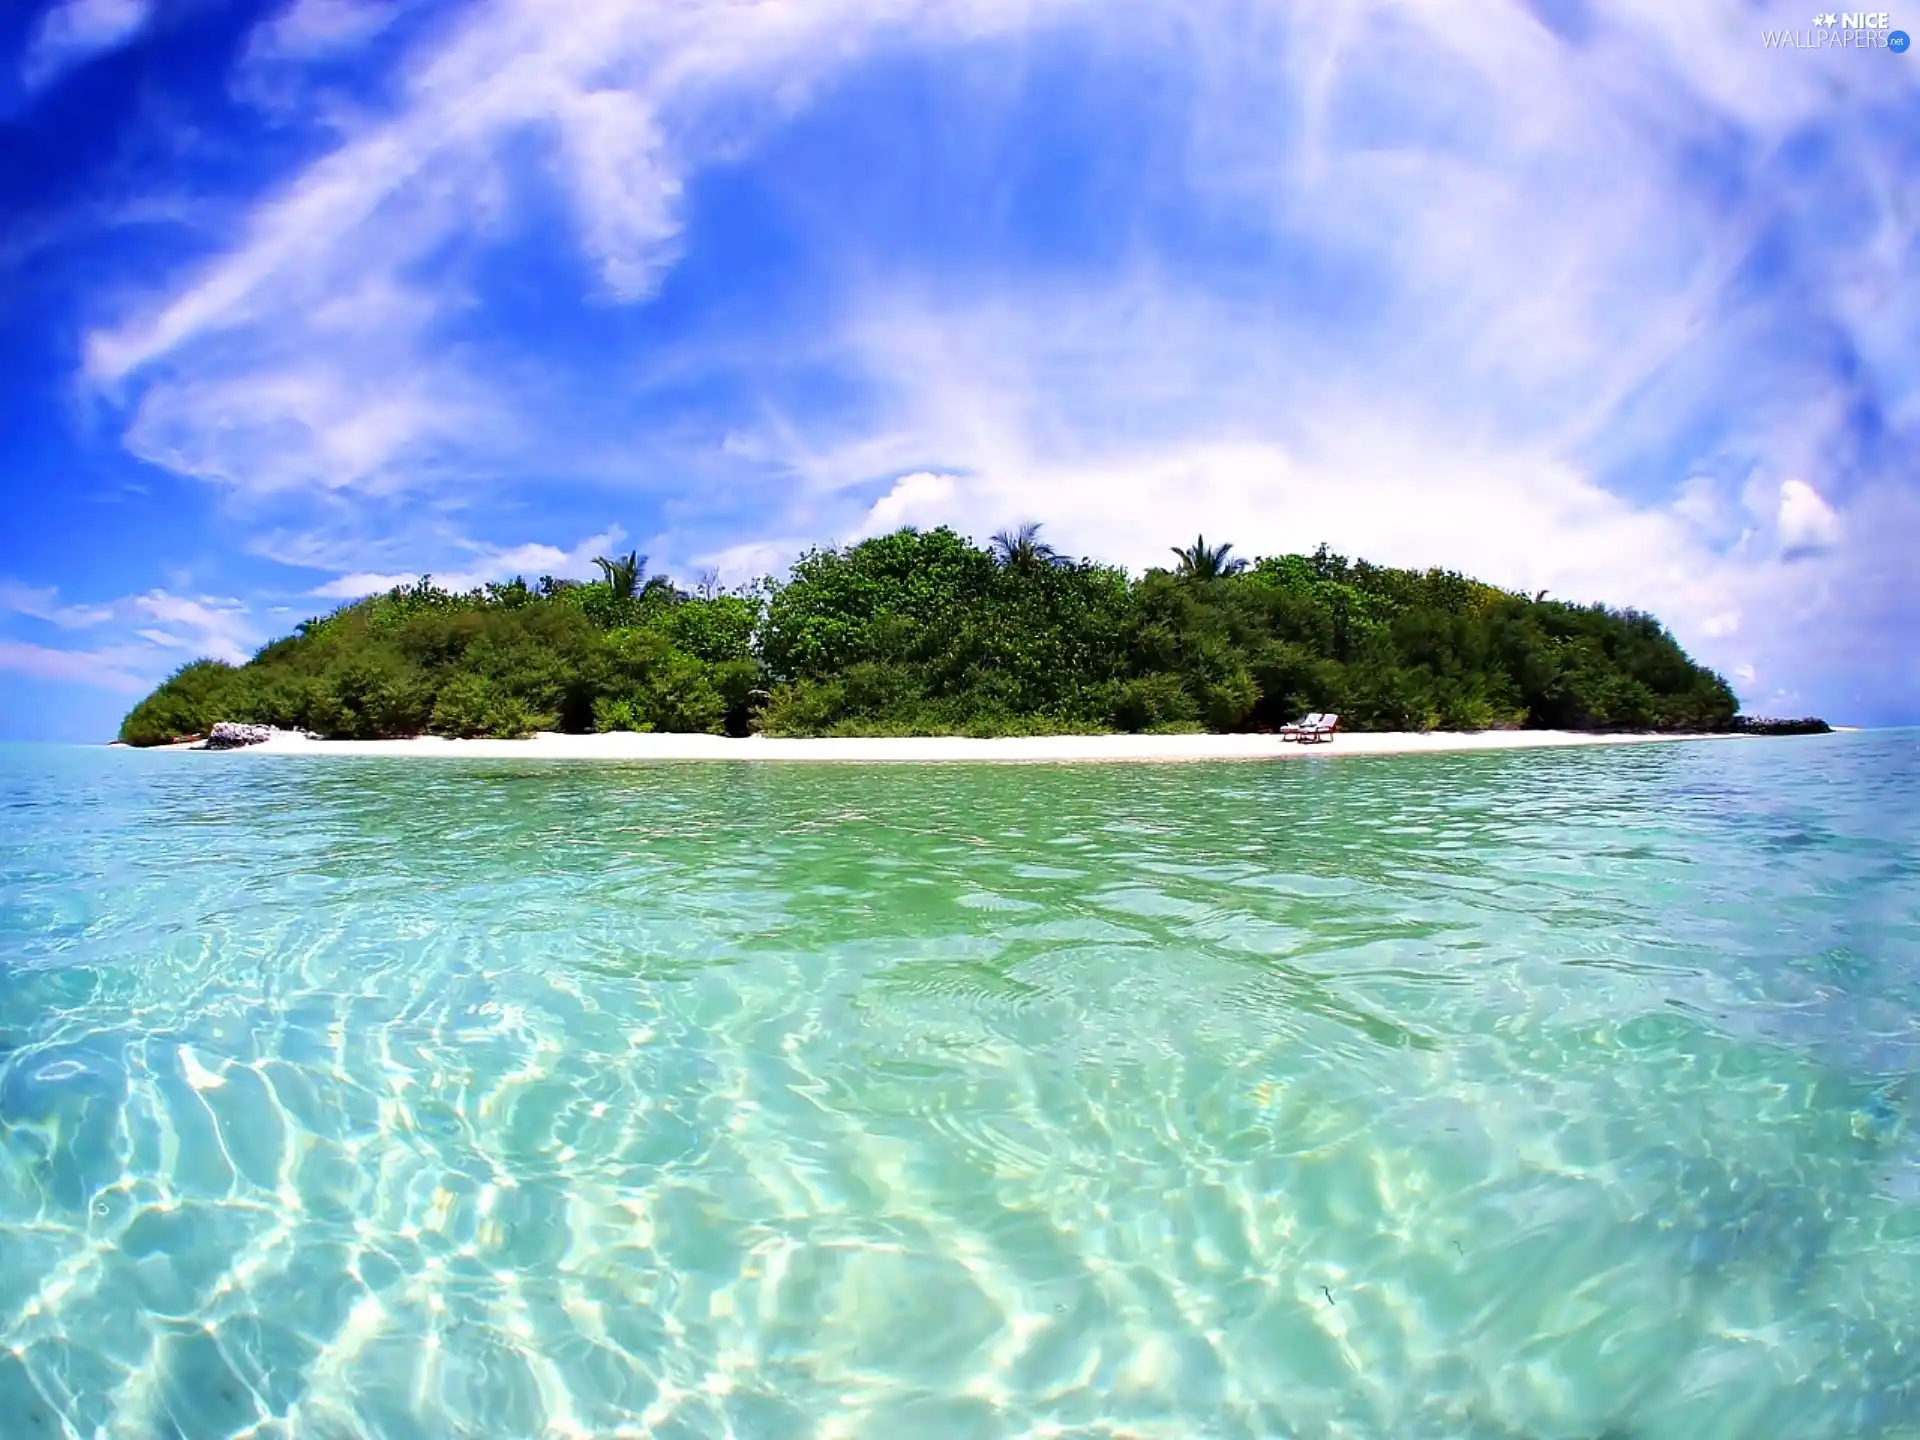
[1039, 749]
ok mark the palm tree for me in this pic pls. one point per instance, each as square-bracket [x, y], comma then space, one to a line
[623, 574]
[1201, 561]
[1023, 550]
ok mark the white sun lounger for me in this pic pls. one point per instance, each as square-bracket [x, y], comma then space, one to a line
[1318, 733]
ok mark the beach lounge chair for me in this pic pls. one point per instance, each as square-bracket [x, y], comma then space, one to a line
[1317, 734]
[1294, 731]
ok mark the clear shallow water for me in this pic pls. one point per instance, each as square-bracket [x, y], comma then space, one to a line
[1530, 1095]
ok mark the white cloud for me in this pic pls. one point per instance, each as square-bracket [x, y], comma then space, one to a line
[1376, 472]
[1465, 308]
[1534, 299]
[75, 31]
[919, 499]
[361, 583]
[1723, 623]
[1524, 522]
[146, 635]
[43, 603]
[482, 565]
[745, 563]
[1806, 523]
[100, 669]
[313, 29]
[626, 191]
[313, 353]
[217, 628]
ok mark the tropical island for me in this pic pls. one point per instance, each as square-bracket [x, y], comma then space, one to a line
[923, 633]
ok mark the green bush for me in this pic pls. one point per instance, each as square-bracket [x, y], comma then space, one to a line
[1231, 698]
[1154, 702]
[510, 719]
[920, 632]
[718, 630]
[370, 695]
[680, 696]
[460, 709]
[469, 706]
[188, 702]
[803, 707]
[611, 714]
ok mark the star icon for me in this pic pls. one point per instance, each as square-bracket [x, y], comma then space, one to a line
[1829, 19]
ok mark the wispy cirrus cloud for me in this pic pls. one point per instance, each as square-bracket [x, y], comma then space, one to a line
[216, 627]
[480, 565]
[134, 640]
[320, 29]
[324, 349]
[1615, 309]
[117, 669]
[43, 603]
[1496, 328]
[75, 31]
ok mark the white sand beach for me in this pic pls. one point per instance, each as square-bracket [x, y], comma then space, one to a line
[626, 745]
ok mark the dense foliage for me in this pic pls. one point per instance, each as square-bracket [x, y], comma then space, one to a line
[920, 632]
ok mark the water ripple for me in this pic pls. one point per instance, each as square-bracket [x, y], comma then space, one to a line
[1554, 1094]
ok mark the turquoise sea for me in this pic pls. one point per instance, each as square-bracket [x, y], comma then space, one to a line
[1525, 1096]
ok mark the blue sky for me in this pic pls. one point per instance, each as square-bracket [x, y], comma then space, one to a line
[302, 298]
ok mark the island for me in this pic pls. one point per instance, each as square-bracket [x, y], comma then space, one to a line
[923, 633]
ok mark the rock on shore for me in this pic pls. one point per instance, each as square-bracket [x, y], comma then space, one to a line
[230, 735]
[1755, 725]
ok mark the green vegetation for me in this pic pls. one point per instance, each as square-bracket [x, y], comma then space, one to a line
[921, 632]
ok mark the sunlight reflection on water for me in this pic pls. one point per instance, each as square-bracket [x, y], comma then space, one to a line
[1532, 1095]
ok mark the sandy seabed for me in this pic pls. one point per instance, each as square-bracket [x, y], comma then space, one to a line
[626, 745]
